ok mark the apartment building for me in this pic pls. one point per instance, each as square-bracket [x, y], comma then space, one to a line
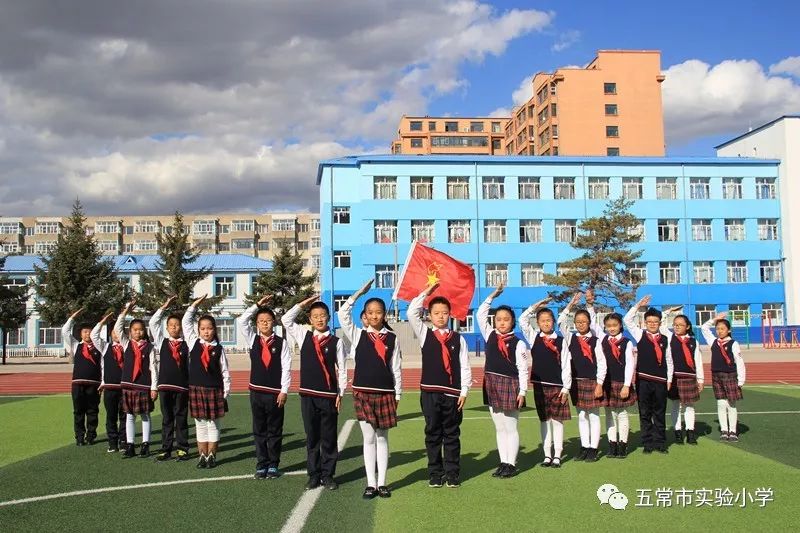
[450, 135]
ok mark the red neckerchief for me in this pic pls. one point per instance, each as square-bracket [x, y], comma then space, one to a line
[551, 345]
[687, 353]
[117, 349]
[205, 356]
[379, 342]
[266, 349]
[655, 338]
[501, 343]
[724, 351]
[137, 348]
[586, 348]
[615, 351]
[175, 348]
[443, 337]
[87, 352]
[319, 343]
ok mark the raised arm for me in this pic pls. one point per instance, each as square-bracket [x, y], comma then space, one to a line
[244, 324]
[188, 325]
[119, 325]
[156, 324]
[705, 329]
[483, 313]
[289, 320]
[527, 321]
[351, 331]
[97, 335]
[69, 340]
[631, 324]
[415, 311]
[563, 317]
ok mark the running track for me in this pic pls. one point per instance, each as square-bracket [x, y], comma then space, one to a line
[59, 382]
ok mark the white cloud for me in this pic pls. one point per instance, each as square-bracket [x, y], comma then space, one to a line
[790, 66]
[524, 92]
[565, 40]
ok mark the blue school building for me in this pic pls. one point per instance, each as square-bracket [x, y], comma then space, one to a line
[710, 231]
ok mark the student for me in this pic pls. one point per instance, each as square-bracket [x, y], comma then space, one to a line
[86, 378]
[654, 371]
[551, 377]
[173, 384]
[323, 379]
[588, 371]
[505, 380]
[618, 390]
[270, 376]
[727, 374]
[446, 378]
[688, 375]
[377, 385]
[139, 380]
[111, 369]
[209, 381]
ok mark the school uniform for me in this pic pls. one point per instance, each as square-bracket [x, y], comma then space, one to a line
[688, 369]
[727, 365]
[587, 370]
[209, 378]
[111, 370]
[506, 369]
[323, 378]
[86, 379]
[551, 376]
[617, 350]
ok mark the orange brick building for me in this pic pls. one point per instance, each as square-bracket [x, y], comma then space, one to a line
[448, 135]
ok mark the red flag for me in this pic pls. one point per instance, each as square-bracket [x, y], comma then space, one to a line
[426, 266]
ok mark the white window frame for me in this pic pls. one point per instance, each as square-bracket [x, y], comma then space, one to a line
[566, 230]
[768, 229]
[11, 228]
[226, 330]
[384, 187]
[774, 311]
[340, 213]
[701, 229]
[146, 226]
[703, 272]
[459, 231]
[247, 226]
[385, 231]
[736, 271]
[204, 227]
[385, 277]
[106, 226]
[342, 259]
[532, 275]
[496, 274]
[598, 188]
[735, 229]
[699, 188]
[53, 332]
[145, 245]
[731, 188]
[765, 188]
[530, 231]
[529, 188]
[283, 224]
[423, 231]
[739, 314]
[421, 188]
[243, 244]
[457, 188]
[48, 228]
[107, 247]
[669, 272]
[668, 230]
[704, 312]
[563, 188]
[493, 187]
[494, 231]
[666, 188]
[632, 188]
[225, 285]
[770, 271]
[44, 247]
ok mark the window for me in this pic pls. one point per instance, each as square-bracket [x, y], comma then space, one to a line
[44, 247]
[108, 247]
[315, 242]
[457, 188]
[287, 243]
[494, 231]
[421, 188]
[529, 188]
[566, 231]
[532, 275]
[16, 337]
[283, 224]
[496, 127]
[315, 261]
[385, 231]
[496, 275]
[16, 282]
[263, 246]
[701, 229]
[339, 300]
[48, 228]
[598, 188]
[564, 188]
[638, 230]
[224, 247]
[768, 229]
[341, 215]
[457, 140]
[734, 229]
[30, 231]
[385, 276]
[495, 144]
[242, 244]
[224, 228]
[431, 125]
[468, 325]
[422, 231]
[204, 245]
[666, 188]
[416, 142]
[668, 229]
[530, 231]
[703, 272]
[106, 226]
[740, 314]
[225, 330]
[224, 286]
[9, 247]
[243, 225]
[384, 187]
[341, 258]
[765, 188]
[669, 273]
[146, 226]
[544, 137]
[49, 335]
[544, 114]
[315, 224]
[458, 231]
[145, 246]
[128, 230]
[771, 271]
[493, 188]
[476, 127]
[415, 125]
[612, 131]
[737, 271]
[611, 109]
[699, 188]
[204, 227]
[632, 188]
[609, 88]
[451, 126]
[10, 228]
[703, 313]
[128, 248]
[612, 151]
[732, 188]
[772, 313]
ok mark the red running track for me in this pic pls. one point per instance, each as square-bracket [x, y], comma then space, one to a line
[59, 382]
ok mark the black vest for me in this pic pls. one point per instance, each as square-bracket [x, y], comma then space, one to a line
[85, 372]
[142, 381]
[263, 379]
[171, 376]
[616, 369]
[495, 362]
[582, 368]
[434, 375]
[647, 366]
[312, 376]
[198, 375]
[681, 369]
[112, 372]
[718, 363]
[371, 373]
[546, 365]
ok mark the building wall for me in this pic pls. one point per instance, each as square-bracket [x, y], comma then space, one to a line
[450, 135]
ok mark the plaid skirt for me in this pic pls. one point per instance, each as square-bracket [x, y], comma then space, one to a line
[137, 402]
[685, 390]
[206, 402]
[726, 386]
[548, 403]
[378, 409]
[500, 392]
[582, 394]
[611, 398]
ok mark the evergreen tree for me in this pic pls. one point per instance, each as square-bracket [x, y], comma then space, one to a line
[76, 275]
[603, 266]
[13, 313]
[285, 282]
[171, 277]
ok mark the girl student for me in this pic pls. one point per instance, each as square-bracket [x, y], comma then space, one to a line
[727, 374]
[209, 381]
[505, 380]
[588, 372]
[376, 385]
[111, 368]
[551, 377]
[139, 379]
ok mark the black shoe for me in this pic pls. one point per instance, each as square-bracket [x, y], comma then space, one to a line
[384, 492]
[273, 472]
[330, 483]
[622, 450]
[79, 442]
[648, 450]
[556, 462]
[203, 462]
[144, 451]
[662, 449]
[548, 462]
[452, 481]
[313, 483]
[369, 493]
[211, 462]
[510, 471]
[435, 482]
[733, 436]
[261, 473]
[723, 435]
[613, 449]
[90, 441]
[130, 451]
[582, 456]
[691, 437]
[112, 448]
[499, 471]
[163, 455]
[181, 455]
[591, 457]
[678, 436]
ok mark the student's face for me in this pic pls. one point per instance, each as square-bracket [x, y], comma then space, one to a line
[174, 328]
[440, 315]
[722, 330]
[652, 323]
[264, 323]
[319, 319]
[613, 326]
[364, 322]
[582, 324]
[680, 326]
[545, 323]
[86, 335]
[206, 330]
[503, 321]
[137, 331]
[375, 315]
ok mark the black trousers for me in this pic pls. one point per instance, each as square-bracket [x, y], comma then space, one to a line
[442, 433]
[85, 408]
[115, 416]
[652, 412]
[267, 428]
[320, 420]
[174, 420]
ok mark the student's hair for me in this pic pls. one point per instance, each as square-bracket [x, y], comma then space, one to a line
[260, 311]
[689, 330]
[85, 325]
[543, 310]
[614, 316]
[724, 321]
[439, 300]
[652, 311]
[383, 307]
[213, 324]
[319, 305]
[510, 311]
[175, 316]
[144, 327]
[585, 313]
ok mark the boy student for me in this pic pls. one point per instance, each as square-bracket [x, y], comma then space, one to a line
[323, 379]
[173, 383]
[446, 377]
[111, 369]
[654, 375]
[86, 378]
[270, 366]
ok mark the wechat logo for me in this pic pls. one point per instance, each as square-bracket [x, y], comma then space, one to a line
[611, 495]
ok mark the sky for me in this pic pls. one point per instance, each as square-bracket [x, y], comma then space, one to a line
[228, 106]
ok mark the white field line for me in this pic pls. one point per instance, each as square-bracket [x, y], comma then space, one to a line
[422, 419]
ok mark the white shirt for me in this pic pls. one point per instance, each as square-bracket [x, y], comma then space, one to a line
[190, 334]
[563, 317]
[637, 333]
[531, 332]
[124, 340]
[245, 326]
[705, 329]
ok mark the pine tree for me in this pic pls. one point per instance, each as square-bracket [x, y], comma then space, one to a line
[171, 277]
[603, 266]
[285, 282]
[76, 275]
[13, 313]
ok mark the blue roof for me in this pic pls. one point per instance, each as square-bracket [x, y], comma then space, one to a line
[358, 160]
[133, 263]
[754, 130]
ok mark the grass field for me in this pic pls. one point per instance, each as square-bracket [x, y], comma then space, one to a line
[38, 458]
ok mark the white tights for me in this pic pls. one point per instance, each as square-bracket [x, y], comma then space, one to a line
[130, 427]
[376, 453]
[589, 427]
[618, 424]
[688, 414]
[505, 425]
[207, 430]
[552, 435]
[728, 415]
